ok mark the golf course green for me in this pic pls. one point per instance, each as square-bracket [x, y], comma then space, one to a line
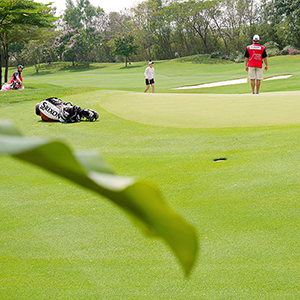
[225, 160]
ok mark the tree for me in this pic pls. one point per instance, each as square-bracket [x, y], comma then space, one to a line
[33, 51]
[78, 44]
[125, 46]
[88, 41]
[289, 14]
[17, 15]
[144, 22]
[177, 19]
[82, 15]
[200, 17]
[64, 45]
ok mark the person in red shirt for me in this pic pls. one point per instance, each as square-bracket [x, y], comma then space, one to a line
[16, 81]
[255, 56]
[17, 78]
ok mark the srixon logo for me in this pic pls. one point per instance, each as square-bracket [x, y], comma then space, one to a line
[50, 110]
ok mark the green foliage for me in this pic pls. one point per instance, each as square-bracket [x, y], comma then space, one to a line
[271, 45]
[215, 54]
[145, 23]
[16, 18]
[33, 51]
[240, 58]
[289, 10]
[291, 50]
[237, 57]
[78, 44]
[24, 12]
[140, 200]
[82, 15]
[162, 29]
[273, 52]
[285, 51]
[125, 46]
[272, 48]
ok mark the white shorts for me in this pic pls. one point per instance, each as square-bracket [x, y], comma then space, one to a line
[255, 73]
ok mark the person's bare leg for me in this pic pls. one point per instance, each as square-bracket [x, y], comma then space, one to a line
[152, 87]
[257, 86]
[253, 85]
[147, 88]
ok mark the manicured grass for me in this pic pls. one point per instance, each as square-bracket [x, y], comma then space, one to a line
[169, 74]
[59, 241]
[202, 111]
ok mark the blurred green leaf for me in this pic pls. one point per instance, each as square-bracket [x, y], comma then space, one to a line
[140, 200]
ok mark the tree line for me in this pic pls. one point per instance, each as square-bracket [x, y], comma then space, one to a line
[151, 30]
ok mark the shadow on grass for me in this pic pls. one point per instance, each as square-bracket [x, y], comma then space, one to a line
[63, 66]
[79, 67]
[202, 59]
[130, 67]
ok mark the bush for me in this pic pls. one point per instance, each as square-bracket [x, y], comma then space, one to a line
[271, 45]
[237, 57]
[272, 48]
[273, 52]
[294, 52]
[240, 58]
[289, 50]
[215, 55]
[285, 52]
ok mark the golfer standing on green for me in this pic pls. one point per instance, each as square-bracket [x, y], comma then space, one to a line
[255, 55]
[149, 74]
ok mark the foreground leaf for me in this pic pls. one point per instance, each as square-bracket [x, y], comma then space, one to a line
[140, 200]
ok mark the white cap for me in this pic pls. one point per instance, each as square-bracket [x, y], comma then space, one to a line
[150, 63]
[256, 38]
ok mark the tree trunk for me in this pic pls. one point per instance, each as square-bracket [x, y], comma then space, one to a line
[126, 61]
[0, 66]
[6, 58]
[149, 53]
[6, 68]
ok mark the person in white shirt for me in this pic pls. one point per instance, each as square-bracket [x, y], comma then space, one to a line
[149, 74]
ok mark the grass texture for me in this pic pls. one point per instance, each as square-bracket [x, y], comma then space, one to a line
[59, 241]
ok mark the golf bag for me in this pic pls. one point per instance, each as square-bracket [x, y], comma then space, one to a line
[12, 86]
[53, 109]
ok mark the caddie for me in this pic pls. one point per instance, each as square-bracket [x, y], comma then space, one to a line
[255, 55]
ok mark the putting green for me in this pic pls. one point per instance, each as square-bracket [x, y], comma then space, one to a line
[200, 110]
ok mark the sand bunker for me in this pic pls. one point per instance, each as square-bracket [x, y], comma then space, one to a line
[227, 82]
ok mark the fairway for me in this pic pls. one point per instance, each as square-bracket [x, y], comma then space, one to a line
[204, 111]
[62, 241]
